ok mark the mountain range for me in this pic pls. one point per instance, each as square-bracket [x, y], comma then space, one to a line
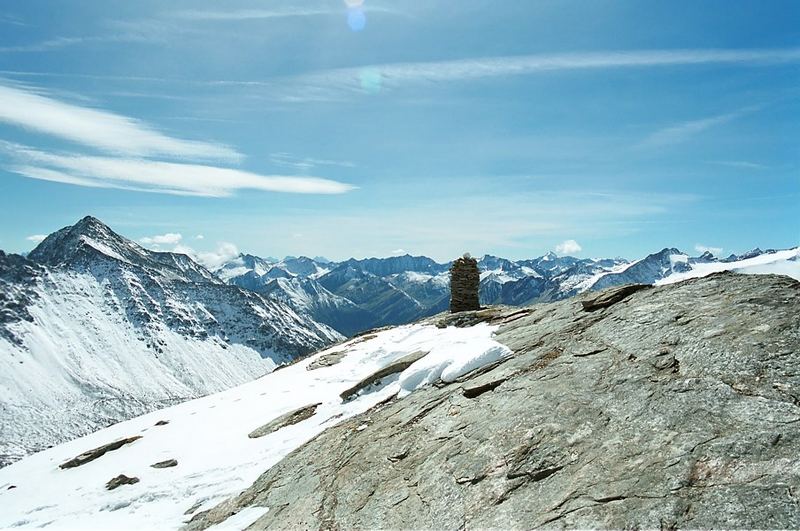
[95, 329]
[356, 295]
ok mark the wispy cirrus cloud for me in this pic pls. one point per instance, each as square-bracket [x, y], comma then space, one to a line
[304, 164]
[13, 20]
[742, 164]
[683, 131]
[334, 84]
[397, 74]
[100, 129]
[156, 176]
[115, 34]
[262, 14]
[43, 46]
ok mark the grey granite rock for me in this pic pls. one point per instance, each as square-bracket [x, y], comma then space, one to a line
[98, 452]
[677, 407]
[169, 463]
[120, 480]
[287, 419]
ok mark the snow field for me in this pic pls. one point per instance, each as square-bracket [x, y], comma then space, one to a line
[209, 436]
[779, 263]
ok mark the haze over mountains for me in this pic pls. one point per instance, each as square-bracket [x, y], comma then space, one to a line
[95, 329]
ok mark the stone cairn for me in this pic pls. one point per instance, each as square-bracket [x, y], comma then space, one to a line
[464, 282]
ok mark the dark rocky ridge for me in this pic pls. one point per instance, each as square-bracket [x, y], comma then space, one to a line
[675, 407]
[18, 278]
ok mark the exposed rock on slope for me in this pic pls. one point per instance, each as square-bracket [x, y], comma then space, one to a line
[675, 407]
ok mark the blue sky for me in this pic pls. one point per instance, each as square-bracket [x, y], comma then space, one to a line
[366, 128]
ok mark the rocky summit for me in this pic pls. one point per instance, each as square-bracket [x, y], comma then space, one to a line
[662, 407]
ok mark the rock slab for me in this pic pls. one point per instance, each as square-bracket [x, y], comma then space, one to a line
[675, 408]
[119, 481]
[98, 452]
[287, 419]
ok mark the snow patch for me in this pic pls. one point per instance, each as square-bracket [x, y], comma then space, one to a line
[240, 520]
[675, 259]
[103, 248]
[448, 361]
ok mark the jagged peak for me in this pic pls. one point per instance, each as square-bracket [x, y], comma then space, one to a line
[92, 222]
[89, 233]
[90, 240]
[668, 251]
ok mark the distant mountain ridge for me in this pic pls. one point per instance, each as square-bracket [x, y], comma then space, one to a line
[376, 292]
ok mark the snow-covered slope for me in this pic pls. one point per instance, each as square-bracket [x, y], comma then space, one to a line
[308, 297]
[645, 271]
[208, 437]
[777, 262]
[98, 330]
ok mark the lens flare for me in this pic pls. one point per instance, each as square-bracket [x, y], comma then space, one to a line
[356, 19]
[371, 80]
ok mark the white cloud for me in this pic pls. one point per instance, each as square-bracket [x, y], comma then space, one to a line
[682, 132]
[398, 252]
[36, 238]
[327, 85]
[716, 251]
[247, 14]
[170, 238]
[100, 129]
[43, 46]
[568, 247]
[305, 164]
[396, 74]
[8, 18]
[740, 164]
[261, 14]
[157, 176]
[224, 252]
[199, 237]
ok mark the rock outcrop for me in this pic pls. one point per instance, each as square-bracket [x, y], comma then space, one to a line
[676, 407]
[98, 452]
[464, 285]
[121, 480]
[169, 463]
[288, 419]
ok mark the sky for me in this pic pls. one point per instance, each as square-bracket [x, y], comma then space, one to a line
[365, 128]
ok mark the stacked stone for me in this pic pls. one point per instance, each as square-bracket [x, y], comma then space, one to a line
[464, 282]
